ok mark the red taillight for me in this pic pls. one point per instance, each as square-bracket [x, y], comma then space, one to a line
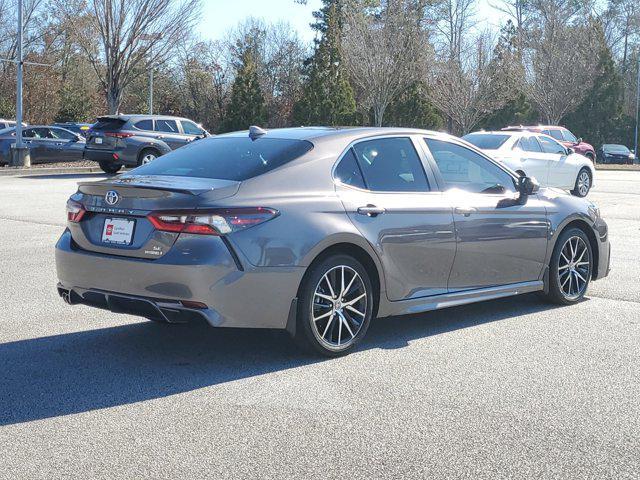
[211, 222]
[118, 134]
[75, 211]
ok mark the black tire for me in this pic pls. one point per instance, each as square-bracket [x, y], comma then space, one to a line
[323, 335]
[109, 167]
[591, 157]
[559, 282]
[146, 152]
[578, 189]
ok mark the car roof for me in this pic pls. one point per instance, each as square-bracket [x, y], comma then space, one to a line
[140, 116]
[319, 133]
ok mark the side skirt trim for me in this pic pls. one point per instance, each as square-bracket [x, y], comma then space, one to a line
[446, 300]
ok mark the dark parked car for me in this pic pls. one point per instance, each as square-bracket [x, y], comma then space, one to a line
[612, 153]
[319, 230]
[562, 135]
[132, 140]
[46, 144]
[79, 128]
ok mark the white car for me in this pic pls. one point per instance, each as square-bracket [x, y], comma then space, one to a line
[540, 156]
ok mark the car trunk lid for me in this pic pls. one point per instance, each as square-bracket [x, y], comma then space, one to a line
[116, 220]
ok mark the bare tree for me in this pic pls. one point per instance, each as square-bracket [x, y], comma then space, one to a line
[558, 58]
[383, 50]
[130, 34]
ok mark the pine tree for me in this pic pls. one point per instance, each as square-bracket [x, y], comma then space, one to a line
[327, 97]
[413, 109]
[247, 105]
[598, 116]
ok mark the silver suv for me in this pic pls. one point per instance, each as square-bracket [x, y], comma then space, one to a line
[132, 140]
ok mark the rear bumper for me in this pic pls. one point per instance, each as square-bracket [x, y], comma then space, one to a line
[106, 156]
[236, 294]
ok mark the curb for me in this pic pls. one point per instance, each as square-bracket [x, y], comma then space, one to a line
[619, 168]
[32, 172]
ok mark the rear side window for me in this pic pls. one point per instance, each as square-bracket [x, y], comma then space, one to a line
[486, 141]
[144, 125]
[391, 165]
[530, 144]
[348, 171]
[227, 158]
[108, 124]
[166, 126]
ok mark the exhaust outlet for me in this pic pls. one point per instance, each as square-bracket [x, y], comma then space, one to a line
[66, 296]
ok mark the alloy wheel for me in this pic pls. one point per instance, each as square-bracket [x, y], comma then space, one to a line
[584, 183]
[574, 268]
[147, 158]
[339, 307]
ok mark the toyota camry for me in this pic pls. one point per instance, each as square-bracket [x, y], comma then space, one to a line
[320, 230]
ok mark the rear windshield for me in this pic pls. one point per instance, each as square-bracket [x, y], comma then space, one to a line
[486, 141]
[227, 158]
[108, 124]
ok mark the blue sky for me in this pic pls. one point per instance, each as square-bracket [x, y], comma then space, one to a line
[221, 15]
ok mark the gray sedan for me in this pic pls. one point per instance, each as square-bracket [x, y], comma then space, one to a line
[319, 230]
[46, 144]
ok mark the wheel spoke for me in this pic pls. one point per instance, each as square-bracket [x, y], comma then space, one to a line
[351, 309]
[333, 294]
[327, 327]
[324, 315]
[348, 287]
[580, 276]
[355, 300]
[562, 267]
[565, 257]
[322, 295]
[339, 332]
[346, 324]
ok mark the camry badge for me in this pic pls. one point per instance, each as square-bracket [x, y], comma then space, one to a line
[112, 197]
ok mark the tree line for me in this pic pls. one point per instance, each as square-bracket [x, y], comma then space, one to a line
[420, 63]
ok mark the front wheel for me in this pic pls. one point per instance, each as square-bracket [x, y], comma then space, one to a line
[570, 268]
[583, 183]
[108, 167]
[335, 306]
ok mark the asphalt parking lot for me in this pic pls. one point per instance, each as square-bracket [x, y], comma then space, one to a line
[509, 388]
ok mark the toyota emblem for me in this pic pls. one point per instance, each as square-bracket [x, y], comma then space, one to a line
[112, 197]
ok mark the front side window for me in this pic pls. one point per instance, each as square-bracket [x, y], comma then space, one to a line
[348, 171]
[391, 165]
[464, 169]
[550, 146]
[569, 137]
[30, 133]
[190, 128]
[555, 133]
[62, 134]
[169, 126]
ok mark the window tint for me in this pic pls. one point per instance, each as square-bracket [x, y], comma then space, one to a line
[529, 144]
[62, 134]
[348, 171]
[30, 133]
[486, 141]
[555, 133]
[144, 125]
[227, 158]
[467, 170]
[108, 124]
[166, 126]
[569, 137]
[190, 128]
[550, 146]
[391, 165]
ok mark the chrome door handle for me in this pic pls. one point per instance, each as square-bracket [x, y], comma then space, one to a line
[466, 211]
[371, 210]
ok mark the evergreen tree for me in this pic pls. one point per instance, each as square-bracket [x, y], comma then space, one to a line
[247, 105]
[413, 109]
[598, 116]
[327, 97]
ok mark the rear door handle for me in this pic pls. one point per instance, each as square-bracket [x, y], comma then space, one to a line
[466, 211]
[371, 210]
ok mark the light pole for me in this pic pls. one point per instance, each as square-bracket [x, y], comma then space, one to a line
[151, 37]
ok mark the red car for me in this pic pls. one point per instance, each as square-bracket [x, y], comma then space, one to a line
[563, 135]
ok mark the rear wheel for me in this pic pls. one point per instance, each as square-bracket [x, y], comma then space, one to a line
[570, 268]
[147, 155]
[108, 167]
[583, 183]
[335, 306]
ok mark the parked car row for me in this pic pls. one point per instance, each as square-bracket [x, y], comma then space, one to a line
[113, 141]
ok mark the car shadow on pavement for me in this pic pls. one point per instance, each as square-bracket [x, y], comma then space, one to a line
[88, 370]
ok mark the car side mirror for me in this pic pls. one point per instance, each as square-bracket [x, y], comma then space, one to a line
[579, 140]
[571, 150]
[527, 186]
